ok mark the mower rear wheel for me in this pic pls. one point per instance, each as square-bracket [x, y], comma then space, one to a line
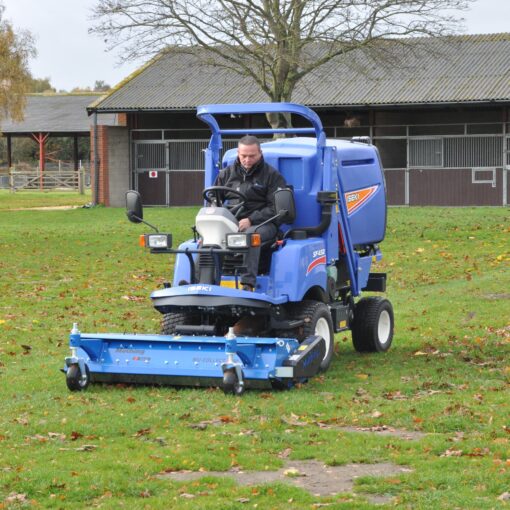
[74, 380]
[372, 328]
[171, 320]
[317, 321]
[231, 384]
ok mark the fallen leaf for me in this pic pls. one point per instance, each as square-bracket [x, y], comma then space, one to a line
[187, 496]
[377, 414]
[16, 497]
[198, 426]
[293, 473]
[142, 432]
[285, 453]
[452, 453]
[293, 420]
[133, 298]
[504, 497]
[362, 376]
[86, 448]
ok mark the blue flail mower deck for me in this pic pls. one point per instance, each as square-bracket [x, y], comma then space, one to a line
[180, 360]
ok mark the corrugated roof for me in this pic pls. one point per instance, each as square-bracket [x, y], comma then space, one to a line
[461, 69]
[56, 113]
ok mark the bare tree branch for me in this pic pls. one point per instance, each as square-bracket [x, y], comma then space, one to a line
[274, 42]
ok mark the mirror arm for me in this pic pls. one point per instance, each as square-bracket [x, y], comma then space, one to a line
[145, 223]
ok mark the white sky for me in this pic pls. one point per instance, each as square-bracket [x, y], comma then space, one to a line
[71, 57]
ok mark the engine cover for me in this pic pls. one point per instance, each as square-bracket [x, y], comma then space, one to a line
[214, 223]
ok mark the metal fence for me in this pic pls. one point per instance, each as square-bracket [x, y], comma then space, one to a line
[180, 155]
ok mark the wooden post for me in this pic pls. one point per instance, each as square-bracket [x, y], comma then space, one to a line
[41, 138]
[75, 152]
[81, 179]
[9, 152]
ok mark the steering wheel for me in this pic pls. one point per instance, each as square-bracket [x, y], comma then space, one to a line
[217, 194]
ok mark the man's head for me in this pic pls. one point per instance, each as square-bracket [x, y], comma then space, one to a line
[248, 151]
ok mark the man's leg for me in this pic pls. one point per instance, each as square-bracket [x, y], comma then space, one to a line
[267, 233]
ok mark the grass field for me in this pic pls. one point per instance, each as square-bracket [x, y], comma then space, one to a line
[447, 375]
[31, 199]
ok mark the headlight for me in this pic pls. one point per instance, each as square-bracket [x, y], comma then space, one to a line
[237, 241]
[156, 242]
[240, 241]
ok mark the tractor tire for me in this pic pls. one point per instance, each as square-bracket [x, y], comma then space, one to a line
[173, 319]
[317, 321]
[372, 328]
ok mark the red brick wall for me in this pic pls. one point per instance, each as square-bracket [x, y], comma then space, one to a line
[102, 153]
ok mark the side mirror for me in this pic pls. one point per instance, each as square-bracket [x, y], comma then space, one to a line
[284, 205]
[134, 209]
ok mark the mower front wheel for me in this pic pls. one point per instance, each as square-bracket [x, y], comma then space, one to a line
[74, 379]
[231, 385]
[372, 328]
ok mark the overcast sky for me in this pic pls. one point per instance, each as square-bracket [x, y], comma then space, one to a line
[71, 57]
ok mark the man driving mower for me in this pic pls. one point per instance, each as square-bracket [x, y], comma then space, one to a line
[257, 181]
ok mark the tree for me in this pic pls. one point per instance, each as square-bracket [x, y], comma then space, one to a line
[275, 42]
[101, 86]
[39, 85]
[15, 50]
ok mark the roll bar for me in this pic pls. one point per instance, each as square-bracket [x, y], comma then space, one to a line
[207, 112]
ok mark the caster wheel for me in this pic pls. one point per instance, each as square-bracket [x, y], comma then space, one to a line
[74, 380]
[231, 385]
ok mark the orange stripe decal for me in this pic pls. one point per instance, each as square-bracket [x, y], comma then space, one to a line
[355, 199]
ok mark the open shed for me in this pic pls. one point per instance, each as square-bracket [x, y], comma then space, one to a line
[55, 115]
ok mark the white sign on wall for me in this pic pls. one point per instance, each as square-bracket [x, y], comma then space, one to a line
[153, 174]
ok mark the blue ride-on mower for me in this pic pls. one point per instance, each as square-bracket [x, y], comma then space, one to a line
[332, 217]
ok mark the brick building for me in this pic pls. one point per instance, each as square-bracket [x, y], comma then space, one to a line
[440, 118]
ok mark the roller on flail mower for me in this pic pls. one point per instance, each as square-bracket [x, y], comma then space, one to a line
[332, 218]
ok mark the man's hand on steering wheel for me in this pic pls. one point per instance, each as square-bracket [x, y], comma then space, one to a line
[216, 194]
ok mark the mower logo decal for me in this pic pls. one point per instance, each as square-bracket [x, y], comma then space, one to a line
[315, 263]
[355, 199]
[197, 288]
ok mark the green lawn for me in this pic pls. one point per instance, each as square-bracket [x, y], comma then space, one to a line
[447, 374]
[35, 199]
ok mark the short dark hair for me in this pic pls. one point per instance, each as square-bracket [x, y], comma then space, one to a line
[249, 140]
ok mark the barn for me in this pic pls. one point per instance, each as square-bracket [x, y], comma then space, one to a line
[438, 109]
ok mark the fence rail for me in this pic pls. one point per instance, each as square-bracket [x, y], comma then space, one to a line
[47, 180]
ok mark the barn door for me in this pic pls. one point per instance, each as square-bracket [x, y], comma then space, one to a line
[151, 171]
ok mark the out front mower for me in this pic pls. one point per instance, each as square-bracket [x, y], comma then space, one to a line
[332, 218]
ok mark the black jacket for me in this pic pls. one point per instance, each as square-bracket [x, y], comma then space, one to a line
[258, 186]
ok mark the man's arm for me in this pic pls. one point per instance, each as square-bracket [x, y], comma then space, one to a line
[276, 181]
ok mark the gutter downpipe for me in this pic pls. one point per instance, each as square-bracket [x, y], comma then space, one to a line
[95, 198]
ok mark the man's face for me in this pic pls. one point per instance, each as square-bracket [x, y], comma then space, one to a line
[249, 155]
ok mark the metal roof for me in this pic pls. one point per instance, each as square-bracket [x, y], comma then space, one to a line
[460, 69]
[55, 113]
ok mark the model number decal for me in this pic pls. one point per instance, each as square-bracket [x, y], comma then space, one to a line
[319, 258]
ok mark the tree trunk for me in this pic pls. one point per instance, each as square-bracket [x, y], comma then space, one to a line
[278, 121]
